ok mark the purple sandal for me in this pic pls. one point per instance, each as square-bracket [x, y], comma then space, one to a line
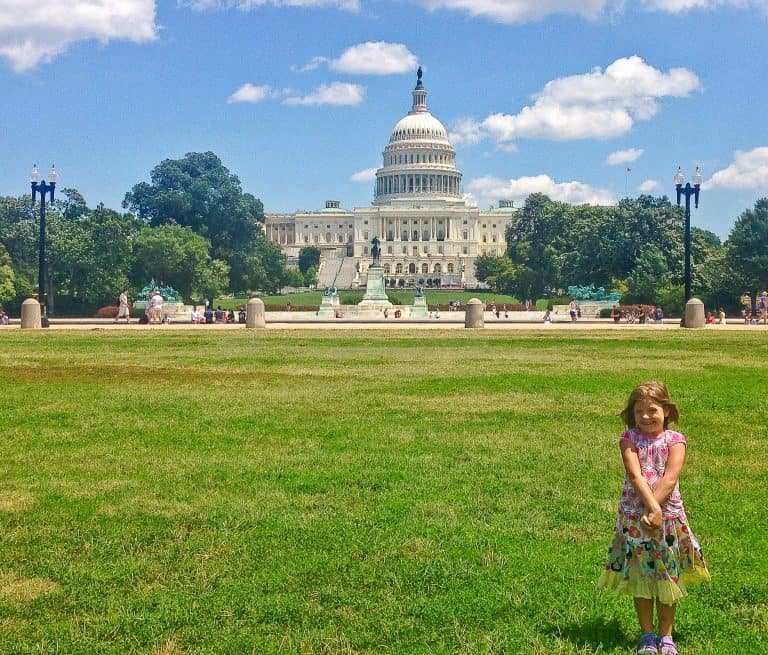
[647, 644]
[667, 646]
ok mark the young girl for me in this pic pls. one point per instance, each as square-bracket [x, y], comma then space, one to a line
[654, 553]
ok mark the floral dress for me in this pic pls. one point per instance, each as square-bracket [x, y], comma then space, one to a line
[653, 566]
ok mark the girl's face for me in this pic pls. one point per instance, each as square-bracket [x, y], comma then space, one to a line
[649, 417]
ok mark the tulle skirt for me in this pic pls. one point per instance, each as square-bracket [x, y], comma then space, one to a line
[658, 566]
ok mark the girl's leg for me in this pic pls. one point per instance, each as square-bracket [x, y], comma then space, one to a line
[644, 609]
[666, 618]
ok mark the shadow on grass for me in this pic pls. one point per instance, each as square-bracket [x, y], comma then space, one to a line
[596, 633]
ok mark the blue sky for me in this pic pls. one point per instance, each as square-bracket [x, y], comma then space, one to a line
[298, 97]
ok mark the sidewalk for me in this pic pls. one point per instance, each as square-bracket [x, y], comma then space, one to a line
[447, 320]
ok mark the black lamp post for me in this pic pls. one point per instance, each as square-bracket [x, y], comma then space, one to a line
[688, 191]
[43, 188]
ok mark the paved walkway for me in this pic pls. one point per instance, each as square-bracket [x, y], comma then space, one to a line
[447, 320]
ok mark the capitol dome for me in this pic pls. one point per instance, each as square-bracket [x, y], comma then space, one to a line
[422, 125]
[419, 161]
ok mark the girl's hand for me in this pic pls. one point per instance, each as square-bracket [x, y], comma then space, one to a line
[652, 521]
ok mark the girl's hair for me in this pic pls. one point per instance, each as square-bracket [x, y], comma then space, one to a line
[656, 392]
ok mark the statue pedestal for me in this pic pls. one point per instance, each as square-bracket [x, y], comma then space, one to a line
[375, 298]
[419, 309]
[328, 307]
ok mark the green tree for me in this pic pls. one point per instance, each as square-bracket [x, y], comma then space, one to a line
[91, 255]
[176, 256]
[748, 247]
[200, 193]
[309, 256]
[7, 277]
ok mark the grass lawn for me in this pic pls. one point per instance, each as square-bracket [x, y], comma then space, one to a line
[353, 297]
[169, 493]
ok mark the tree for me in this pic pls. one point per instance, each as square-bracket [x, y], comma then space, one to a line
[176, 256]
[200, 193]
[309, 256]
[748, 247]
[7, 277]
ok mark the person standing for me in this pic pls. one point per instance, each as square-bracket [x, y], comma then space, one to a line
[654, 554]
[123, 307]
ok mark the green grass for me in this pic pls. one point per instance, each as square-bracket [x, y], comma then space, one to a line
[323, 492]
[316, 297]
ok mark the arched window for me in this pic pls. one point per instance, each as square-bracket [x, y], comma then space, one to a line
[438, 269]
[405, 235]
[390, 235]
[440, 235]
[425, 235]
[411, 268]
[425, 268]
[450, 268]
[398, 268]
[327, 237]
[386, 269]
[415, 235]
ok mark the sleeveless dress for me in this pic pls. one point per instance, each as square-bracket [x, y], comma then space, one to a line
[653, 566]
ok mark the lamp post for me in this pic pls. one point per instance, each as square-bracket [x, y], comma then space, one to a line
[43, 188]
[688, 191]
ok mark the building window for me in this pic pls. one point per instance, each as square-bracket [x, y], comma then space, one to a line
[450, 268]
[365, 250]
[415, 235]
[465, 250]
[389, 250]
[466, 236]
[411, 268]
[404, 235]
[425, 235]
[365, 235]
[398, 268]
[438, 268]
[425, 268]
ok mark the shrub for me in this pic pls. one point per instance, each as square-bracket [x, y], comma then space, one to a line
[110, 311]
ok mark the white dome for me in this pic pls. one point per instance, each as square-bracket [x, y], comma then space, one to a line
[421, 126]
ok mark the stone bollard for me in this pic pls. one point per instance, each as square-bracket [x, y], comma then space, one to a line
[254, 313]
[694, 313]
[473, 317]
[30, 314]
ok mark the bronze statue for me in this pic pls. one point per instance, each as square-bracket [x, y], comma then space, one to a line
[376, 251]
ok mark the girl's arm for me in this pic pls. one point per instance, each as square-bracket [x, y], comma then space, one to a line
[635, 474]
[674, 466]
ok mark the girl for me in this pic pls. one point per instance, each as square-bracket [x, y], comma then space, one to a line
[654, 553]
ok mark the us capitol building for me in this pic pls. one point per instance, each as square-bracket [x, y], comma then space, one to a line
[429, 235]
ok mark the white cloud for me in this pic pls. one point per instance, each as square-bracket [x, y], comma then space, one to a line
[598, 105]
[487, 190]
[678, 6]
[623, 156]
[376, 58]
[524, 11]
[336, 93]
[33, 33]
[649, 185]
[367, 175]
[518, 11]
[749, 170]
[251, 93]
[247, 5]
[314, 64]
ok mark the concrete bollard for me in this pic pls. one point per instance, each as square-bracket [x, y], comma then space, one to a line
[30, 314]
[473, 317]
[254, 314]
[694, 313]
